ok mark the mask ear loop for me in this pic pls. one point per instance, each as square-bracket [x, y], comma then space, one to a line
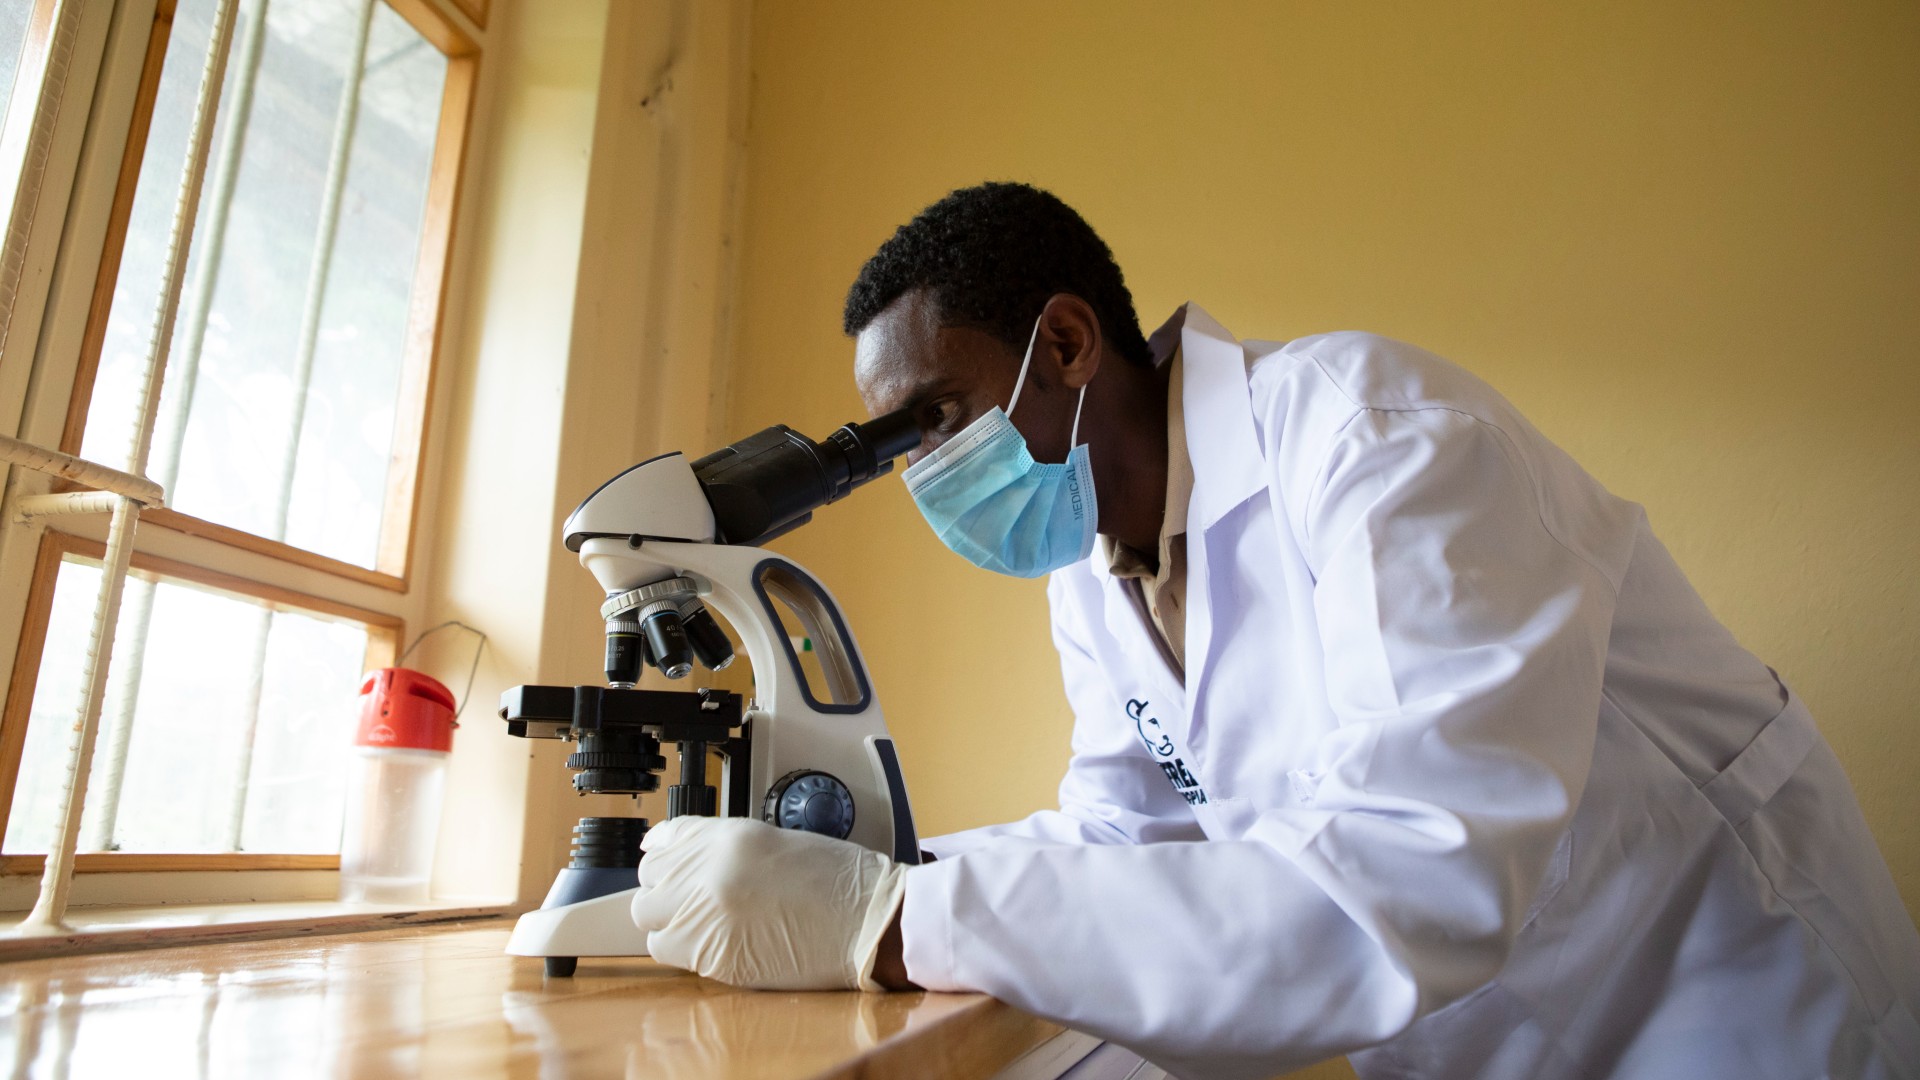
[1020, 383]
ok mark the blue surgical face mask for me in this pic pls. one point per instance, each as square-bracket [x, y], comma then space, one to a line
[989, 501]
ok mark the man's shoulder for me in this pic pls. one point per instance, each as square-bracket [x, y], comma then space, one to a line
[1362, 370]
[1313, 396]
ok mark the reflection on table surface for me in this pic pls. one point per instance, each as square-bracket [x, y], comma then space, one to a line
[448, 1002]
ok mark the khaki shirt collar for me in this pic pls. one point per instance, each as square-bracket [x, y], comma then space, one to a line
[1124, 562]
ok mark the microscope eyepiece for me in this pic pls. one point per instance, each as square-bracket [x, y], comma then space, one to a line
[771, 482]
[871, 447]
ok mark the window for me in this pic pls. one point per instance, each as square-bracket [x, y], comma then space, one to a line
[14, 17]
[289, 351]
[296, 375]
[226, 704]
[25, 26]
[288, 435]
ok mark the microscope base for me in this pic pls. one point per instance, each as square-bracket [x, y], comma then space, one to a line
[602, 926]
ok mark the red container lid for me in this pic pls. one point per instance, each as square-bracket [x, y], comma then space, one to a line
[403, 708]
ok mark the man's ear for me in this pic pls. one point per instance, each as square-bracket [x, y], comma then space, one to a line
[1069, 348]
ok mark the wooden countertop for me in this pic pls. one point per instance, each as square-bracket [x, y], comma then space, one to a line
[446, 1002]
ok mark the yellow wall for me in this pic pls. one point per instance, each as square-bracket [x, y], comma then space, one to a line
[1684, 238]
[589, 312]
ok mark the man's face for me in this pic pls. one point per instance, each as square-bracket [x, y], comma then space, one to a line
[949, 376]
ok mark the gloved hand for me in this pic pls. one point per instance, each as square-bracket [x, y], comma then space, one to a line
[775, 909]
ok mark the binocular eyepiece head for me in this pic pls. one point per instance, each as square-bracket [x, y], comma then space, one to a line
[771, 482]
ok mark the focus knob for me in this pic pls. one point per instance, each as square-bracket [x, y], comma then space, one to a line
[814, 802]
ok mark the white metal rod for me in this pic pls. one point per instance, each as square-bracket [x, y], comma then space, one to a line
[213, 246]
[124, 701]
[318, 270]
[24, 198]
[256, 669]
[56, 883]
[117, 719]
[31, 508]
[185, 208]
[40, 459]
[49, 912]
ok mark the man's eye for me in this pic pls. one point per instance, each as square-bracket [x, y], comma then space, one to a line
[944, 414]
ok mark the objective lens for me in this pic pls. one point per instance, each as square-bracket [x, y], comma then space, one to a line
[667, 641]
[625, 652]
[710, 644]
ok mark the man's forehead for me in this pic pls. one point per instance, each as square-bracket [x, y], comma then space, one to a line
[904, 334]
[906, 350]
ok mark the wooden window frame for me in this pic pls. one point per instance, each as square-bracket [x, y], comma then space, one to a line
[425, 316]
[384, 634]
[475, 10]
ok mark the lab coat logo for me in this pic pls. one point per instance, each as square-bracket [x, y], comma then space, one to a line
[1160, 745]
[1151, 732]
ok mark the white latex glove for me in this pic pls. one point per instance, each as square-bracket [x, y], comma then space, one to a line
[774, 909]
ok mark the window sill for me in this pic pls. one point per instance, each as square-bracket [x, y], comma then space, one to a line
[124, 929]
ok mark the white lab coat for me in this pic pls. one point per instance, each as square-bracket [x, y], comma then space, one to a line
[1464, 780]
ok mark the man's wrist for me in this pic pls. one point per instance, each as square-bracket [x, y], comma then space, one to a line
[890, 962]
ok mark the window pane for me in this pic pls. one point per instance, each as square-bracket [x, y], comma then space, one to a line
[14, 16]
[188, 766]
[310, 690]
[36, 793]
[242, 440]
[16, 19]
[136, 292]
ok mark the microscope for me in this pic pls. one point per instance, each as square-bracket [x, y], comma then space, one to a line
[667, 540]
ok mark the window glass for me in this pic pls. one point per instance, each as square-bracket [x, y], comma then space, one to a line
[14, 16]
[189, 778]
[242, 438]
[136, 291]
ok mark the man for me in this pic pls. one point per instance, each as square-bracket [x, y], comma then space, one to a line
[1396, 734]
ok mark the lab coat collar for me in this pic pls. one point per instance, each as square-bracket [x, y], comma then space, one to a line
[1221, 440]
[1125, 622]
[1218, 407]
[1227, 471]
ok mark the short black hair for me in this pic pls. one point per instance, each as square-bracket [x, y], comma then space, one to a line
[992, 255]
